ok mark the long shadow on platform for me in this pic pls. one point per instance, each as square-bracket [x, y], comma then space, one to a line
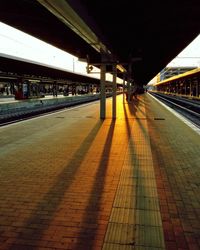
[131, 109]
[134, 106]
[136, 159]
[94, 202]
[50, 199]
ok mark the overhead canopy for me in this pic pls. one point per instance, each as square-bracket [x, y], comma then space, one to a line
[148, 33]
[24, 68]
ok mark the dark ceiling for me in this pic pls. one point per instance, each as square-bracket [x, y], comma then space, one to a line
[155, 31]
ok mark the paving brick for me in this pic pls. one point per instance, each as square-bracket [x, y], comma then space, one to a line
[175, 155]
[116, 184]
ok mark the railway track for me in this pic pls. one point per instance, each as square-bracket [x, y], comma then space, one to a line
[190, 109]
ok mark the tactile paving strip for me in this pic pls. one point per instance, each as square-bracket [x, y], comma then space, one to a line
[135, 221]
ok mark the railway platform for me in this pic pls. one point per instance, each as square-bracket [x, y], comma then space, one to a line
[49, 100]
[72, 181]
[11, 109]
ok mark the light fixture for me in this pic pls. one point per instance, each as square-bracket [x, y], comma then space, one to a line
[121, 68]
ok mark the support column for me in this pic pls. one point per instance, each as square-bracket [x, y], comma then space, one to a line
[114, 90]
[190, 88]
[103, 92]
[128, 90]
[129, 83]
[123, 87]
[185, 87]
[197, 88]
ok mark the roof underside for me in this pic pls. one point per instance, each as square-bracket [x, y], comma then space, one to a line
[154, 32]
[11, 65]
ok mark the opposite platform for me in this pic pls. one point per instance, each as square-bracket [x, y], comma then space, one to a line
[71, 181]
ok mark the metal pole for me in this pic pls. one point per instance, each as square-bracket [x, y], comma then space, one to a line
[114, 90]
[128, 84]
[123, 86]
[197, 87]
[128, 89]
[103, 92]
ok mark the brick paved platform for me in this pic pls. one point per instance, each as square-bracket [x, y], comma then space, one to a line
[71, 181]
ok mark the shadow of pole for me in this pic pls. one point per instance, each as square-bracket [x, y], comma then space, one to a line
[134, 106]
[54, 197]
[135, 162]
[86, 237]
